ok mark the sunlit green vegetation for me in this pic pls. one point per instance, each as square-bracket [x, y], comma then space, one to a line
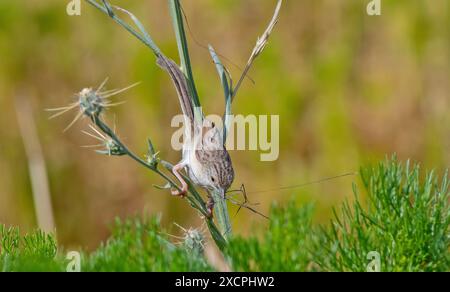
[406, 220]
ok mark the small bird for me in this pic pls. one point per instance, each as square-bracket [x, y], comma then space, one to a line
[204, 157]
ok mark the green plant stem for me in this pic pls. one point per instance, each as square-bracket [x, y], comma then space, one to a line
[148, 42]
[227, 86]
[222, 215]
[183, 50]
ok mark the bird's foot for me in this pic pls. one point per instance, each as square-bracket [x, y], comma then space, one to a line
[180, 193]
[184, 187]
[210, 207]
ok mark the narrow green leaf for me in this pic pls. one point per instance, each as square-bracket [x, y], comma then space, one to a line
[226, 84]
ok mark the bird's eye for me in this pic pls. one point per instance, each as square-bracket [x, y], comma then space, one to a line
[213, 125]
[213, 179]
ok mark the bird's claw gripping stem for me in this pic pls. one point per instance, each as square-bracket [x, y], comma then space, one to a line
[184, 187]
[210, 207]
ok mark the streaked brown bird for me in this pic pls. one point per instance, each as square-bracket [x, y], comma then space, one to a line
[205, 158]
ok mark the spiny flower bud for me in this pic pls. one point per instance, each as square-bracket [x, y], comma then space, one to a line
[110, 147]
[194, 241]
[91, 103]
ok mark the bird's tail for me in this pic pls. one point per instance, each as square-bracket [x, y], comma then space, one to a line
[181, 86]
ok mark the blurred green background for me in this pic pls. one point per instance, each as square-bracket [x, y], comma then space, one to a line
[349, 88]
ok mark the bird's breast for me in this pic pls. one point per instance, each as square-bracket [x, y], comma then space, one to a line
[195, 169]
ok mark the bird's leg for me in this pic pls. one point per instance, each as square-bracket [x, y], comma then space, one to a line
[210, 206]
[184, 186]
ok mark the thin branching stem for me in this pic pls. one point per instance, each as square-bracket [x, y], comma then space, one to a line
[183, 50]
[193, 197]
[259, 47]
[148, 42]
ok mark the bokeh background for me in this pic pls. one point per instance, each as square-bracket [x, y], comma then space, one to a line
[349, 88]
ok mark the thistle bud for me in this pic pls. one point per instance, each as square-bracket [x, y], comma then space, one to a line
[91, 103]
[111, 148]
[194, 241]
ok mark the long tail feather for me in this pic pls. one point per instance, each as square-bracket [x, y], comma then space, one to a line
[181, 86]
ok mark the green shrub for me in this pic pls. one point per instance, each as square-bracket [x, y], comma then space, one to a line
[283, 247]
[406, 222]
[32, 252]
[141, 245]
[403, 219]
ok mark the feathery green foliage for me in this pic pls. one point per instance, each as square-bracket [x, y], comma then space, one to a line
[283, 246]
[405, 219]
[36, 251]
[406, 222]
[141, 245]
